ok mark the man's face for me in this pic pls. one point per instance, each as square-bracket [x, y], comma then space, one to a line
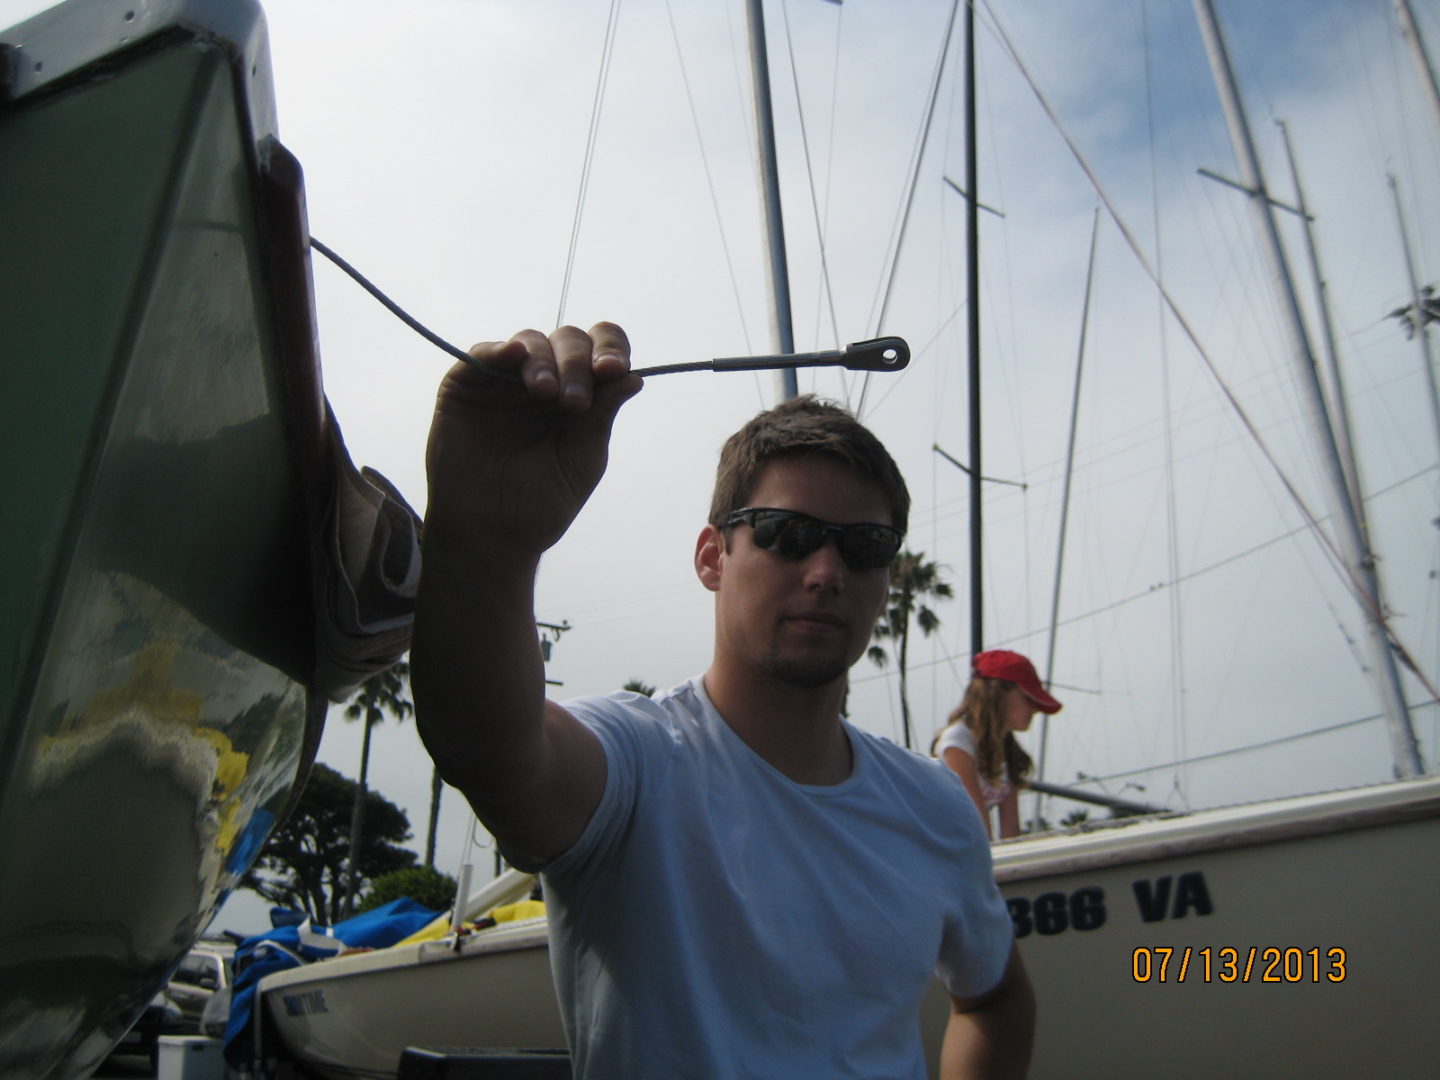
[801, 622]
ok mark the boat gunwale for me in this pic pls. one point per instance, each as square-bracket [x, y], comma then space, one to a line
[515, 936]
[1133, 840]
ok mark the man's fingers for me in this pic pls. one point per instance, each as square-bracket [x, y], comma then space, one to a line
[563, 367]
[503, 355]
[538, 364]
[610, 352]
[527, 355]
[572, 349]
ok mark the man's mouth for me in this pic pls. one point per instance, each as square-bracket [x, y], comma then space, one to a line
[817, 620]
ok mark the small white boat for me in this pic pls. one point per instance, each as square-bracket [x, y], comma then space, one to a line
[1279, 939]
[354, 1015]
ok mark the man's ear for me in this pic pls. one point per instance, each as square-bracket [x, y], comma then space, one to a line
[708, 549]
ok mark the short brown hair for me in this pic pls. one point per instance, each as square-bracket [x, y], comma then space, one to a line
[804, 425]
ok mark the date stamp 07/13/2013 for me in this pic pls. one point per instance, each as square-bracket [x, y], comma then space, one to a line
[1229, 964]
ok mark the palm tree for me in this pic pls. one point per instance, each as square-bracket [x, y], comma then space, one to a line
[912, 582]
[384, 692]
[437, 787]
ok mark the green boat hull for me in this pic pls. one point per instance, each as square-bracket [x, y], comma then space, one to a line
[160, 423]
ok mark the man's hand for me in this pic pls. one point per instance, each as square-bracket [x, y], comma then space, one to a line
[511, 463]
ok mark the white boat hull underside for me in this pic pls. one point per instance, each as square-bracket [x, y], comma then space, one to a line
[1127, 932]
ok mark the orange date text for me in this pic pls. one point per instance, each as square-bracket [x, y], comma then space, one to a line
[1245, 964]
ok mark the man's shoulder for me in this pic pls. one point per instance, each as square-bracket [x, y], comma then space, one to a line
[624, 711]
[916, 781]
[911, 764]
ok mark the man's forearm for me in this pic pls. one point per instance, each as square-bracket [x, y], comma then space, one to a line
[991, 1039]
[475, 665]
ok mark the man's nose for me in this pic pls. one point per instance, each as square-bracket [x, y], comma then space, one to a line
[824, 568]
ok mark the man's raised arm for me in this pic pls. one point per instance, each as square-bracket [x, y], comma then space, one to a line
[510, 464]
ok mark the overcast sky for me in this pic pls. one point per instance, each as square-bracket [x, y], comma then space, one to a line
[444, 142]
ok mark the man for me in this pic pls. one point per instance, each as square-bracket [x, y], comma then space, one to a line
[740, 883]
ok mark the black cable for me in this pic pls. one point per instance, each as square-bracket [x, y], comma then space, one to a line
[404, 316]
[881, 354]
[675, 369]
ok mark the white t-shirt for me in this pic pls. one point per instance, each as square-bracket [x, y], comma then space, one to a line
[960, 737]
[716, 919]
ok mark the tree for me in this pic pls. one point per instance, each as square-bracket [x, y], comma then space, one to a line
[635, 686]
[306, 862]
[423, 884]
[1418, 313]
[384, 692]
[912, 582]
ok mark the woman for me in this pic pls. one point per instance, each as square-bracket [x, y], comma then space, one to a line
[979, 743]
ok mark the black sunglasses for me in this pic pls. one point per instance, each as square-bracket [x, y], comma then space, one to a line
[795, 535]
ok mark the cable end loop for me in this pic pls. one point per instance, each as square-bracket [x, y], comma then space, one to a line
[878, 354]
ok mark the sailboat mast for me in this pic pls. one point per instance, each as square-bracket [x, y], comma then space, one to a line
[1065, 500]
[972, 273]
[1411, 33]
[1338, 400]
[777, 270]
[1359, 560]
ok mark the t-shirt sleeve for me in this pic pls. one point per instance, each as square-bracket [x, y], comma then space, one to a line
[639, 742]
[958, 736]
[978, 933]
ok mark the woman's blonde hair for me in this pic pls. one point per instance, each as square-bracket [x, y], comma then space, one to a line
[997, 751]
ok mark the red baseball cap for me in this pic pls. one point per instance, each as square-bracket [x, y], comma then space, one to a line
[1012, 667]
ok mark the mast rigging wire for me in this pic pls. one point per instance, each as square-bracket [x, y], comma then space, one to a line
[921, 352]
[1265, 745]
[709, 176]
[1172, 516]
[601, 81]
[917, 156]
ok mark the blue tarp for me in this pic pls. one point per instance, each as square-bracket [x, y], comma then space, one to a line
[291, 946]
